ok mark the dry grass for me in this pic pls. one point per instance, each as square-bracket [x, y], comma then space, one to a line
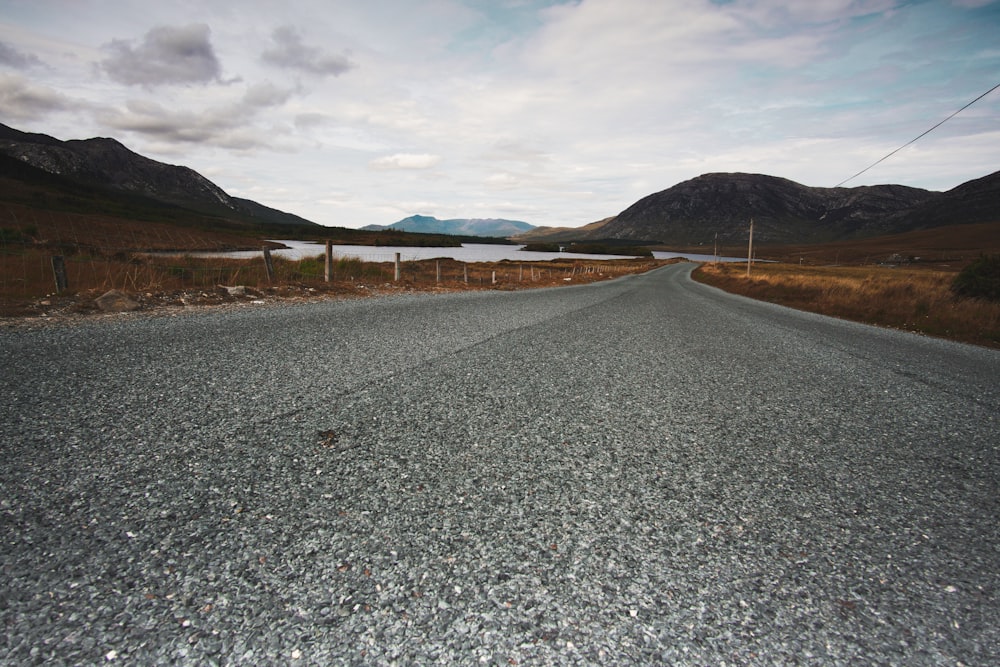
[27, 283]
[946, 248]
[917, 300]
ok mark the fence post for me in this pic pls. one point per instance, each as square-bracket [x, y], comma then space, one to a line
[328, 273]
[494, 277]
[59, 270]
[396, 278]
[438, 270]
[268, 265]
[465, 271]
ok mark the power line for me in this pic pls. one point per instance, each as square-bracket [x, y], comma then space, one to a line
[918, 137]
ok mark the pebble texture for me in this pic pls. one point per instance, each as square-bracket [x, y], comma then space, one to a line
[643, 471]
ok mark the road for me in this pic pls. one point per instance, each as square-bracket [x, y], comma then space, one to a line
[641, 471]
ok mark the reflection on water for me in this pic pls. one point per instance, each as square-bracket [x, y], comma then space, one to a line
[468, 252]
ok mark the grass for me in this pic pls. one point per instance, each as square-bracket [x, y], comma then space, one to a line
[918, 300]
[27, 283]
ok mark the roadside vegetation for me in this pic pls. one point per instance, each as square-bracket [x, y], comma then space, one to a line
[27, 282]
[980, 280]
[913, 299]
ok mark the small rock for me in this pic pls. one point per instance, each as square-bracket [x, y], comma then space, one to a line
[236, 290]
[116, 302]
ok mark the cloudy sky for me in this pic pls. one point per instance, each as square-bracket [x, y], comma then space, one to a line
[555, 112]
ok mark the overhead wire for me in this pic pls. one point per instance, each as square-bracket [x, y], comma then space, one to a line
[920, 136]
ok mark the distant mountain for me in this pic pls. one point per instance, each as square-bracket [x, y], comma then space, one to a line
[458, 226]
[107, 165]
[783, 211]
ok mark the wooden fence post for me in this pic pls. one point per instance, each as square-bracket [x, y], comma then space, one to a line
[465, 270]
[328, 273]
[59, 270]
[396, 278]
[438, 270]
[268, 265]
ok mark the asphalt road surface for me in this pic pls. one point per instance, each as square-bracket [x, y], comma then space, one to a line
[642, 471]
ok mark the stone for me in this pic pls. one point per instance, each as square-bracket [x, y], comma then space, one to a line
[115, 301]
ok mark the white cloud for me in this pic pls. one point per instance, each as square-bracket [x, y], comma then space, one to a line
[406, 161]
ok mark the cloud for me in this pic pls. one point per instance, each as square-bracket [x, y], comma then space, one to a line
[503, 181]
[166, 55]
[227, 125]
[263, 95]
[290, 52]
[13, 58]
[22, 100]
[405, 161]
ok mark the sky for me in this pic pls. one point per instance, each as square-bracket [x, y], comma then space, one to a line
[554, 112]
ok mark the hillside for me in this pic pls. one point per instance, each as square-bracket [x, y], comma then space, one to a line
[555, 234]
[972, 202]
[104, 169]
[783, 211]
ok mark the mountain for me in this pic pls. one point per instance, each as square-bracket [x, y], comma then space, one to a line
[458, 226]
[971, 202]
[783, 211]
[108, 166]
[556, 234]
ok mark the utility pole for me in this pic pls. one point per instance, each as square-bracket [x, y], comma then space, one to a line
[750, 249]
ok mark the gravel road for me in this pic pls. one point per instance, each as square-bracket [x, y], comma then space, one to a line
[641, 471]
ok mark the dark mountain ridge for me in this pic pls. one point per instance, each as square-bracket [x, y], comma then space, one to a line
[783, 211]
[106, 164]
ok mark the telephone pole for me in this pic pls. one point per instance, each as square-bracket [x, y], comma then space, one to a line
[750, 249]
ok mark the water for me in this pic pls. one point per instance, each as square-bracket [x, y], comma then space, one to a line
[468, 252]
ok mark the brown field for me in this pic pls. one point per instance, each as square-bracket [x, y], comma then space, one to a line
[947, 248]
[103, 252]
[27, 282]
[912, 299]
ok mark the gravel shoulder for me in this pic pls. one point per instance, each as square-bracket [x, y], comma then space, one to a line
[643, 471]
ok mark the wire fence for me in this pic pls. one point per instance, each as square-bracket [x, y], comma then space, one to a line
[44, 254]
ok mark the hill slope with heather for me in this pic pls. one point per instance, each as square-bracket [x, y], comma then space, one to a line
[104, 169]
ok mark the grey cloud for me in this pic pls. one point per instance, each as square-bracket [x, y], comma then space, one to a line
[311, 119]
[13, 58]
[290, 52]
[167, 54]
[217, 128]
[264, 95]
[22, 100]
[228, 126]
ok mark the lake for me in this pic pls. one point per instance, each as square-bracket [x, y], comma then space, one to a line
[468, 252]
